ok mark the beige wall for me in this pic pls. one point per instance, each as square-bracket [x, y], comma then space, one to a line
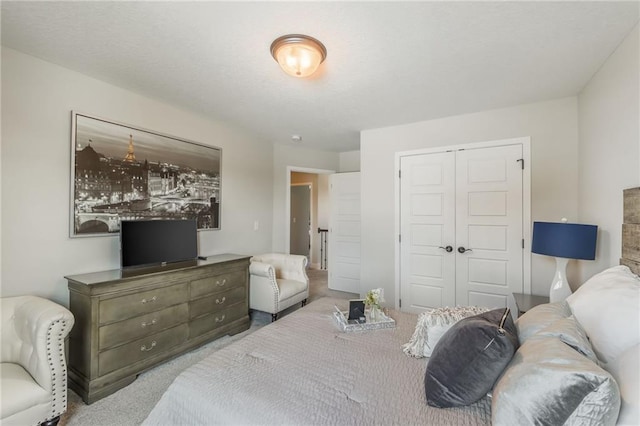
[553, 129]
[609, 152]
[579, 178]
[585, 151]
[37, 99]
[350, 161]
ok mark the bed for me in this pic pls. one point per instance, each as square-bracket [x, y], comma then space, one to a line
[302, 369]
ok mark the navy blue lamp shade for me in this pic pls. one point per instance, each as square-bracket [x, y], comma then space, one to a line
[568, 240]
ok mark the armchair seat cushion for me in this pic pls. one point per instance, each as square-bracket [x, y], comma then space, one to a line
[289, 288]
[21, 393]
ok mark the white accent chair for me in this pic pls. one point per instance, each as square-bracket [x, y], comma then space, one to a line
[277, 281]
[33, 370]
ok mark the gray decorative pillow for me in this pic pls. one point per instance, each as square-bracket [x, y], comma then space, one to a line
[469, 358]
[540, 317]
[432, 325]
[570, 332]
[549, 383]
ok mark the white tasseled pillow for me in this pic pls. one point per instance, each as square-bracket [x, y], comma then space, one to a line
[432, 325]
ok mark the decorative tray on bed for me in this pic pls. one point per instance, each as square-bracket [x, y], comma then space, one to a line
[383, 321]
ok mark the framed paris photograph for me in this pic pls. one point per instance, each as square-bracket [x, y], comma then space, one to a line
[120, 172]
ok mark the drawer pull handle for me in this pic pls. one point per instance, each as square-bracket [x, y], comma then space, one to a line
[220, 319]
[143, 348]
[221, 284]
[220, 302]
[153, 322]
[153, 299]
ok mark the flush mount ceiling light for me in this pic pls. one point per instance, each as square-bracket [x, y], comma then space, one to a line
[298, 55]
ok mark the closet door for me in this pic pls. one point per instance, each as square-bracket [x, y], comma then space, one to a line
[427, 211]
[489, 209]
[461, 228]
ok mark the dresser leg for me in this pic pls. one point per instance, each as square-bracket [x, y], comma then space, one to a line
[274, 317]
[304, 302]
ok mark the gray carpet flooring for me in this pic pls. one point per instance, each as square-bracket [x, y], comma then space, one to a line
[132, 404]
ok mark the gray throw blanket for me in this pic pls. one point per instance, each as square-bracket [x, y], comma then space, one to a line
[301, 370]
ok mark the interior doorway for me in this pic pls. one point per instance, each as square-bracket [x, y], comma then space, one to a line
[300, 220]
[317, 182]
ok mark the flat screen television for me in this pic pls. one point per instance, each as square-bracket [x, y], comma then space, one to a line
[157, 242]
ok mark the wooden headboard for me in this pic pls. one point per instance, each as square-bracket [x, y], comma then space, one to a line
[631, 230]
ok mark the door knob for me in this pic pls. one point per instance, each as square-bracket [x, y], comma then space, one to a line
[448, 249]
[463, 250]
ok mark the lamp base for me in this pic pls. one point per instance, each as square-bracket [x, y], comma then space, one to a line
[560, 289]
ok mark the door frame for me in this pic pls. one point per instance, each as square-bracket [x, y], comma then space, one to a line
[525, 141]
[287, 202]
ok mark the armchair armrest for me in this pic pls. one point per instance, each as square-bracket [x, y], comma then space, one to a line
[33, 333]
[262, 270]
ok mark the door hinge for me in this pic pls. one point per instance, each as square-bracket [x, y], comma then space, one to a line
[400, 303]
[399, 174]
[521, 162]
[399, 238]
[523, 243]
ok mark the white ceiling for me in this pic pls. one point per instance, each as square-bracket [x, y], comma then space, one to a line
[388, 63]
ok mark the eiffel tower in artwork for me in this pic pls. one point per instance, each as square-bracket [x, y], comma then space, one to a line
[131, 156]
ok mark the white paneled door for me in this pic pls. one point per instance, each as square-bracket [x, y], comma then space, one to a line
[344, 232]
[461, 227]
[489, 234]
[427, 205]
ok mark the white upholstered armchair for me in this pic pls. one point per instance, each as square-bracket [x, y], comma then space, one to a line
[277, 281]
[33, 370]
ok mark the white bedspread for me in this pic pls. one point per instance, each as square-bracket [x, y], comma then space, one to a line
[302, 370]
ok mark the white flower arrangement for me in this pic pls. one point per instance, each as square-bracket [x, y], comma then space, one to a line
[374, 297]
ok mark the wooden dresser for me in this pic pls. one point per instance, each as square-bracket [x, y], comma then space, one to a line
[128, 322]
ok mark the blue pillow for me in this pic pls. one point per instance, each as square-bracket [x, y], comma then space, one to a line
[469, 358]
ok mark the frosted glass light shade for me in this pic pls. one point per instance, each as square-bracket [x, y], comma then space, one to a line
[298, 55]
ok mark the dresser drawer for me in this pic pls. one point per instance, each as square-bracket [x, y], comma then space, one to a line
[141, 349]
[217, 283]
[207, 323]
[144, 302]
[216, 302]
[134, 328]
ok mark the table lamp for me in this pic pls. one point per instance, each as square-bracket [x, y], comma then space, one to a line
[564, 241]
